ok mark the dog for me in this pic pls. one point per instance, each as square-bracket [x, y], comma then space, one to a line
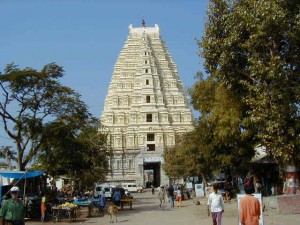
[113, 211]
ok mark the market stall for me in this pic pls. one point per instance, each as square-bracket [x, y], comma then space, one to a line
[19, 175]
[66, 210]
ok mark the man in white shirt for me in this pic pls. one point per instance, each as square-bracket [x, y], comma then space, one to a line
[216, 204]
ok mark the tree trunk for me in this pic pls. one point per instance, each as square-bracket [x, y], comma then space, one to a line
[291, 185]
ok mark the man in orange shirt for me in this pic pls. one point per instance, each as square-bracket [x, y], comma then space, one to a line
[249, 207]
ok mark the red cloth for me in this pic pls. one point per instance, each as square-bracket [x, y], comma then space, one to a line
[249, 210]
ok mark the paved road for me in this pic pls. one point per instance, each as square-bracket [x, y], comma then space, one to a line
[147, 212]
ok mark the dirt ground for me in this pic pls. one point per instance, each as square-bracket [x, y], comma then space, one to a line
[146, 211]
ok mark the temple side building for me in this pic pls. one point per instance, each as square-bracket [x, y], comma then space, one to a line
[145, 110]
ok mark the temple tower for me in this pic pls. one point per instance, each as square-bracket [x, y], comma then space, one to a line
[145, 109]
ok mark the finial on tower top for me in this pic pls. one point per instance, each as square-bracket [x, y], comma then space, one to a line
[143, 23]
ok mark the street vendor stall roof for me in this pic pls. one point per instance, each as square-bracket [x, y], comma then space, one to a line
[20, 174]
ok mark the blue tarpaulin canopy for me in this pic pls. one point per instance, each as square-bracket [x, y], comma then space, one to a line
[20, 174]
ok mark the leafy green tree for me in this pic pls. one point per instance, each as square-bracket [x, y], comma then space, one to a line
[221, 138]
[271, 44]
[251, 93]
[251, 49]
[82, 155]
[202, 153]
[8, 154]
[31, 101]
[220, 141]
[96, 155]
[173, 165]
[186, 158]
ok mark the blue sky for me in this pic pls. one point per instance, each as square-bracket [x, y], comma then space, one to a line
[86, 37]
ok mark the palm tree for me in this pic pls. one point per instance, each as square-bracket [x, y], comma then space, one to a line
[9, 154]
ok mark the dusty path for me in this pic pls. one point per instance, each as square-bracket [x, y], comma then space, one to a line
[147, 212]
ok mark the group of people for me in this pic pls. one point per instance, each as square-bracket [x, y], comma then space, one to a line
[249, 210]
[169, 192]
[116, 196]
[12, 211]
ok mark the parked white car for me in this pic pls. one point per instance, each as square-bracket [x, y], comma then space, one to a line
[106, 188]
[132, 187]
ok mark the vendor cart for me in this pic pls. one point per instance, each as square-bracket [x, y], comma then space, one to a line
[84, 204]
[126, 201]
[58, 213]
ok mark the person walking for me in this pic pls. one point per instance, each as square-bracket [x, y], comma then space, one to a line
[43, 207]
[216, 204]
[152, 190]
[179, 197]
[102, 200]
[161, 197]
[171, 195]
[227, 188]
[117, 197]
[13, 210]
[249, 207]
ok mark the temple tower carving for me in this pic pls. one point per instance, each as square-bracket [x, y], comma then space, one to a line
[145, 108]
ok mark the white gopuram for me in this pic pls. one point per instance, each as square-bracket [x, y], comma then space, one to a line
[145, 110]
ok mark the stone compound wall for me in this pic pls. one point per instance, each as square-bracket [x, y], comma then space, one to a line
[284, 204]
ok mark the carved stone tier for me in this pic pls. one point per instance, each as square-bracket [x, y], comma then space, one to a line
[145, 107]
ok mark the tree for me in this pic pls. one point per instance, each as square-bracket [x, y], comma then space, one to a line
[274, 75]
[211, 147]
[96, 155]
[186, 158]
[172, 163]
[251, 54]
[7, 153]
[82, 156]
[221, 138]
[31, 102]
[251, 49]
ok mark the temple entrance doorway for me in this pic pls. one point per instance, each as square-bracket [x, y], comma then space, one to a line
[152, 174]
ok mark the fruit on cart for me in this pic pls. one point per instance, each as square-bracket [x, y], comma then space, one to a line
[68, 205]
